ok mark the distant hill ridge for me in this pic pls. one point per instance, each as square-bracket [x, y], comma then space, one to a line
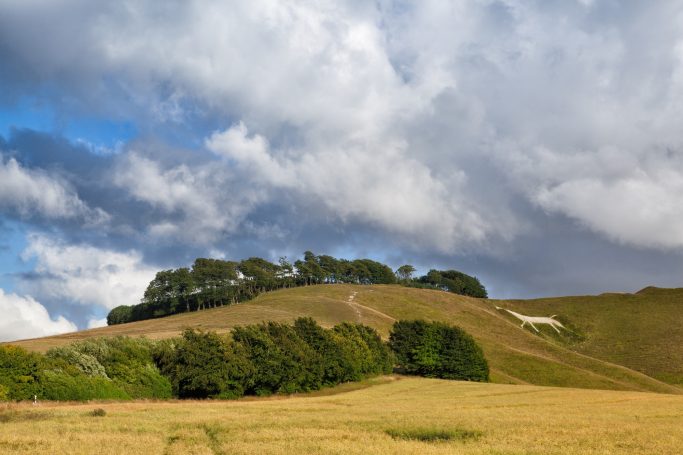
[653, 290]
[612, 341]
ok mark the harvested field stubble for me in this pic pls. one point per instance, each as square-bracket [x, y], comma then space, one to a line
[499, 418]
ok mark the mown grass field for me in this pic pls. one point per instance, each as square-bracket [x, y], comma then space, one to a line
[611, 344]
[478, 418]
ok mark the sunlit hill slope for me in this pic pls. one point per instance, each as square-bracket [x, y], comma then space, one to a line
[612, 341]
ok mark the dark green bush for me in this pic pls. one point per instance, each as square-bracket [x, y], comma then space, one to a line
[259, 359]
[451, 281]
[365, 350]
[202, 365]
[120, 315]
[283, 362]
[382, 357]
[335, 363]
[435, 349]
[197, 370]
[271, 358]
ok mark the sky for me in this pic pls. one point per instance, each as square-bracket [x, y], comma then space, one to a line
[534, 144]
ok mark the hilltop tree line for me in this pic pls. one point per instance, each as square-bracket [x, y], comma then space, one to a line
[210, 283]
[263, 359]
[451, 281]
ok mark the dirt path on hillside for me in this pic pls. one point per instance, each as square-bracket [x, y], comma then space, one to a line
[357, 307]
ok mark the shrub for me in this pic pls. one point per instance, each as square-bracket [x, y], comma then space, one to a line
[86, 363]
[404, 339]
[283, 362]
[4, 392]
[19, 373]
[59, 385]
[202, 365]
[197, 370]
[365, 349]
[270, 358]
[128, 362]
[435, 349]
[381, 356]
[433, 434]
[335, 364]
[99, 412]
[120, 315]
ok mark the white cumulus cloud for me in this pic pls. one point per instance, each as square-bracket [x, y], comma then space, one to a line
[85, 275]
[24, 317]
[198, 203]
[384, 188]
[32, 192]
[94, 323]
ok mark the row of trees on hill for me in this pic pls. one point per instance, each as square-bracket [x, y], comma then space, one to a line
[272, 358]
[451, 281]
[263, 359]
[210, 283]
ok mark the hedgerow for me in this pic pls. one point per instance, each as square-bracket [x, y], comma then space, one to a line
[262, 359]
[271, 358]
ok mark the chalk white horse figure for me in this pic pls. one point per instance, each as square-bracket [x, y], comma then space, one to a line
[537, 319]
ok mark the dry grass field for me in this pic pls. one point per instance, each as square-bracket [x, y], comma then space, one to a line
[593, 354]
[390, 416]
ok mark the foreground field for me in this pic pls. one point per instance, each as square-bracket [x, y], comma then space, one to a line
[480, 418]
[515, 355]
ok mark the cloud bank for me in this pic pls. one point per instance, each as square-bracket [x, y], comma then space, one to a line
[33, 192]
[23, 317]
[497, 136]
[85, 275]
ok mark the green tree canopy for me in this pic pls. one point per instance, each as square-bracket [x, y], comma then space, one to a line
[438, 350]
[405, 272]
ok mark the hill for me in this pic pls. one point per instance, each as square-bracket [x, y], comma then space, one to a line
[642, 331]
[580, 357]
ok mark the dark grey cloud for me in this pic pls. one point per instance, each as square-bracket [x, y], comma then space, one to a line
[534, 144]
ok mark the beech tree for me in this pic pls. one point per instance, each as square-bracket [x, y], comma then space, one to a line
[405, 272]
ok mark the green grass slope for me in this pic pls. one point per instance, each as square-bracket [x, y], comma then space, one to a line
[515, 355]
[642, 331]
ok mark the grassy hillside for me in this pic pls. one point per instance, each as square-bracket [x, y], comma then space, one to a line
[515, 355]
[643, 331]
[478, 418]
